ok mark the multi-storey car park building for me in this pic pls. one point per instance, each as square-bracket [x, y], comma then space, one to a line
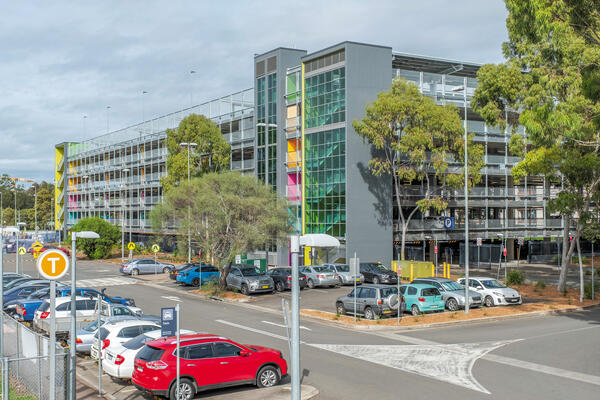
[294, 131]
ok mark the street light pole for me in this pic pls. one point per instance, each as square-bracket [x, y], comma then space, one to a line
[466, 188]
[35, 210]
[295, 331]
[188, 145]
[124, 204]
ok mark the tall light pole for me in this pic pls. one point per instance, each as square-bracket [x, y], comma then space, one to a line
[35, 210]
[84, 126]
[188, 145]
[466, 194]
[126, 170]
[73, 334]
[107, 120]
[191, 91]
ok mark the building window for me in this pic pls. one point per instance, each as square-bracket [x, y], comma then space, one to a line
[324, 98]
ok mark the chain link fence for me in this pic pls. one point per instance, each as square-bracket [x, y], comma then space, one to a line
[26, 364]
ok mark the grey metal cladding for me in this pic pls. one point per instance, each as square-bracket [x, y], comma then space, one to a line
[260, 68]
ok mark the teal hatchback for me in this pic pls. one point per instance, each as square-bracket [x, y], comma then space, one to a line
[420, 298]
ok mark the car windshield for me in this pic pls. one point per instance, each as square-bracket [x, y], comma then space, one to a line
[250, 271]
[430, 292]
[493, 284]
[380, 267]
[450, 285]
[91, 327]
[137, 342]
[343, 268]
[322, 269]
[385, 292]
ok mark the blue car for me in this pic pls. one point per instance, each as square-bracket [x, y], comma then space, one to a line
[192, 276]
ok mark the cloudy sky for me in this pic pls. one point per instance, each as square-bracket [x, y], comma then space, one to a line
[61, 61]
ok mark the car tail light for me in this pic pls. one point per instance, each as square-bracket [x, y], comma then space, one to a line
[157, 364]
[379, 302]
[442, 297]
[79, 341]
[105, 343]
[337, 276]
[321, 276]
[421, 298]
[289, 278]
[45, 314]
[119, 360]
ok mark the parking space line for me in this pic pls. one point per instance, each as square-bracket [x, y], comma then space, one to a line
[247, 328]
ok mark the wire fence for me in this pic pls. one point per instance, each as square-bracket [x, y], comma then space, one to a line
[26, 364]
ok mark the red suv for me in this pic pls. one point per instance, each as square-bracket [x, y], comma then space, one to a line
[206, 362]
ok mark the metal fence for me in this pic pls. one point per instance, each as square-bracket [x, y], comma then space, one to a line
[25, 366]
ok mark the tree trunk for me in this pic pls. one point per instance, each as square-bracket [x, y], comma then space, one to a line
[580, 272]
[403, 240]
[223, 277]
[567, 253]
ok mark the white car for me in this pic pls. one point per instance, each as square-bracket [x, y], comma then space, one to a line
[62, 309]
[118, 359]
[116, 333]
[493, 292]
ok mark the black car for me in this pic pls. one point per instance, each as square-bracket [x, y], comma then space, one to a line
[175, 271]
[376, 273]
[282, 277]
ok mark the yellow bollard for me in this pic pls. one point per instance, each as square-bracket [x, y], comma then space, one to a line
[445, 269]
[411, 272]
[432, 270]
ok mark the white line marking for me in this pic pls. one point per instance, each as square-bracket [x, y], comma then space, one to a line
[283, 326]
[562, 332]
[451, 363]
[247, 328]
[562, 373]
[172, 298]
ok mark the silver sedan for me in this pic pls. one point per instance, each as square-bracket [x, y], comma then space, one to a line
[346, 277]
[319, 275]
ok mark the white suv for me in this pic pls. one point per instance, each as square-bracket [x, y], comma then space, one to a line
[493, 292]
[62, 309]
[118, 359]
[117, 333]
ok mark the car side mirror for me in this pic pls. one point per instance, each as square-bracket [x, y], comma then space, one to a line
[244, 353]
[478, 287]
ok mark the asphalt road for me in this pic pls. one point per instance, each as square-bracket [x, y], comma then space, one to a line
[552, 357]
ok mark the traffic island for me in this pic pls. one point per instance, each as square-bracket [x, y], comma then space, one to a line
[536, 301]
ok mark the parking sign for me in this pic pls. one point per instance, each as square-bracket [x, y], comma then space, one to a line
[168, 321]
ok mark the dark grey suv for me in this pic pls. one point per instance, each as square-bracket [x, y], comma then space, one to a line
[371, 301]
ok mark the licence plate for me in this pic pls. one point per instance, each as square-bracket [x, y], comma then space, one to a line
[386, 311]
[139, 368]
[265, 286]
[433, 306]
[358, 280]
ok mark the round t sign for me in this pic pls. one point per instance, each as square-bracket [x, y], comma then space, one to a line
[53, 264]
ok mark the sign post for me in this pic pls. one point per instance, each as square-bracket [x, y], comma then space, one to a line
[479, 242]
[2, 293]
[52, 265]
[178, 349]
[354, 271]
[100, 345]
[155, 249]
[131, 247]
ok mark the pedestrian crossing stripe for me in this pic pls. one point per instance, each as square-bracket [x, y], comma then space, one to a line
[104, 282]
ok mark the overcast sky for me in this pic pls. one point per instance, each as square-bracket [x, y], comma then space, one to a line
[61, 61]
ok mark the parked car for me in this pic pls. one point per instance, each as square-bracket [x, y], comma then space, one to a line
[319, 275]
[249, 279]
[25, 308]
[376, 273]
[453, 292]
[118, 360]
[191, 276]
[22, 281]
[145, 266]
[49, 247]
[85, 335]
[493, 292]
[282, 278]
[345, 276]
[177, 270]
[21, 292]
[118, 332]
[11, 276]
[371, 301]
[421, 298]
[207, 362]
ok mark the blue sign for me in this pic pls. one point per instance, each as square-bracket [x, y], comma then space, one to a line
[168, 321]
[449, 222]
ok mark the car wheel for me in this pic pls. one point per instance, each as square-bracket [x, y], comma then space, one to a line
[196, 282]
[311, 284]
[489, 302]
[415, 310]
[279, 286]
[341, 281]
[376, 280]
[166, 270]
[135, 272]
[186, 390]
[369, 314]
[244, 289]
[267, 377]
[339, 307]
[452, 304]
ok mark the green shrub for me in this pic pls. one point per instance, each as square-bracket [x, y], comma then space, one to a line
[515, 277]
[101, 247]
[587, 290]
[540, 285]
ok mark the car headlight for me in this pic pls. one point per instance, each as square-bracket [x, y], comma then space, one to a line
[498, 294]
[253, 284]
[385, 276]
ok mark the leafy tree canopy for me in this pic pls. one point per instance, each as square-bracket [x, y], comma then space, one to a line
[97, 248]
[226, 213]
[210, 155]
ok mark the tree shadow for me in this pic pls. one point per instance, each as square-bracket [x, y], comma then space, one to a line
[381, 190]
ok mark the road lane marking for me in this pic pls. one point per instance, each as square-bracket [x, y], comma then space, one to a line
[450, 363]
[101, 282]
[562, 332]
[283, 326]
[172, 298]
[247, 328]
[562, 373]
